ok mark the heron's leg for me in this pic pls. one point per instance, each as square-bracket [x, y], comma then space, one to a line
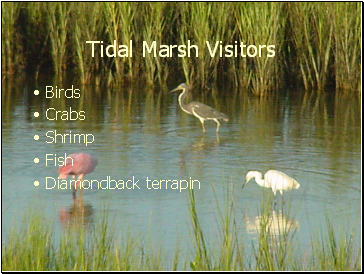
[202, 122]
[200, 118]
[218, 124]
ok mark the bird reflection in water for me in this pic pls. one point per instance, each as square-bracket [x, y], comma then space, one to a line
[196, 150]
[273, 224]
[203, 146]
[77, 214]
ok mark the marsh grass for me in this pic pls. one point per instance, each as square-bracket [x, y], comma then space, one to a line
[261, 25]
[155, 67]
[313, 37]
[58, 18]
[85, 30]
[201, 22]
[202, 259]
[119, 25]
[11, 39]
[335, 249]
[347, 44]
[229, 252]
[33, 246]
[275, 250]
[321, 39]
[30, 246]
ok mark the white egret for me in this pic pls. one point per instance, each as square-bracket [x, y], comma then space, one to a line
[273, 179]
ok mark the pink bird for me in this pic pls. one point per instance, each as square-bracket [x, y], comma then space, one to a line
[77, 164]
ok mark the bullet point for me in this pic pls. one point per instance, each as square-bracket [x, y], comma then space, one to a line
[36, 183]
[36, 114]
[36, 160]
[36, 92]
[36, 137]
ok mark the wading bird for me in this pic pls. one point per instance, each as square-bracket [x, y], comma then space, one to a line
[77, 164]
[273, 179]
[201, 111]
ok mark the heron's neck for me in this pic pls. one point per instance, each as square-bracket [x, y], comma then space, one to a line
[181, 101]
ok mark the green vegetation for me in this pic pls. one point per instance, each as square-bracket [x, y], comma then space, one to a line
[262, 24]
[317, 44]
[33, 246]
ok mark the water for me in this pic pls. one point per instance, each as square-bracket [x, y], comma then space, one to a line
[140, 134]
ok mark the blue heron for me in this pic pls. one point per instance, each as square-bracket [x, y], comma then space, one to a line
[201, 111]
[273, 179]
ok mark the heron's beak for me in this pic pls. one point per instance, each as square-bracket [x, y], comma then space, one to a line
[173, 90]
[244, 184]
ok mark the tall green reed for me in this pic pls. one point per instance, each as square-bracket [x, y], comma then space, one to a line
[84, 29]
[347, 62]
[229, 253]
[260, 24]
[156, 69]
[58, 20]
[202, 259]
[312, 32]
[335, 249]
[34, 246]
[119, 24]
[11, 41]
[276, 229]
[204, 24]
[316, 43]
[30, 247]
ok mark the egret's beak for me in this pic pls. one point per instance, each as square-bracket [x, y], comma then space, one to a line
[244, 184]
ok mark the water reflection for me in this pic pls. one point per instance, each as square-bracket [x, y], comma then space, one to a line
[273, 224]
[196, 151]
[78, 213]
[143, 133]
[201, 145]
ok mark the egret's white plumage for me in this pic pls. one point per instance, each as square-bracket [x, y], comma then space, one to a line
[273, 179]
